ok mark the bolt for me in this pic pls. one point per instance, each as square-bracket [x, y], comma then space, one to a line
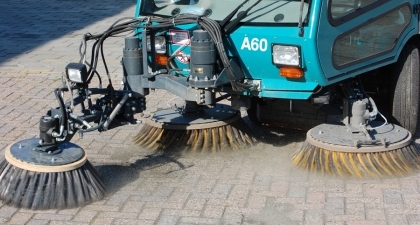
[20, 145]
[133, 109]
[53, 160]
[320, 132]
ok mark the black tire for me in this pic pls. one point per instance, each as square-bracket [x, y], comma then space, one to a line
[405, 100]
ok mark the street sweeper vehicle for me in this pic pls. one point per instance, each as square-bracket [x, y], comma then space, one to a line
[349, 68]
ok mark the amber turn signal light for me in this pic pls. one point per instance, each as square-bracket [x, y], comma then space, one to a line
[162, 59]
[291, 72]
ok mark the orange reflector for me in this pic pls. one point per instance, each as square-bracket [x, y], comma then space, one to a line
[291, 72]
[162, 60]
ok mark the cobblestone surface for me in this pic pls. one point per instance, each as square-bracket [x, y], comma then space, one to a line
[251, 187]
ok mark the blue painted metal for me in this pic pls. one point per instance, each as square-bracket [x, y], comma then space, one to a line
[327, 34]
[286, 94]
[316, 47]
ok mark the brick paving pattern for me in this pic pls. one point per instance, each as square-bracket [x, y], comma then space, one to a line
[254, 186]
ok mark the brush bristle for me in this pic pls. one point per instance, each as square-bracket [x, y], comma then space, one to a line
[36, 190]
[396, 162]
[232, 136]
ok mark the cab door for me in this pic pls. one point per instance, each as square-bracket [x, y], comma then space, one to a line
[355, 36]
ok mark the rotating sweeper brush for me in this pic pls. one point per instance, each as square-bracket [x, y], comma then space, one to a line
[51, 172]
[207, 130]
[40, 180]
[333, 149]
[361, 147]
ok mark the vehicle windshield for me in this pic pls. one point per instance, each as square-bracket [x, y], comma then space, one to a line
[267, 11]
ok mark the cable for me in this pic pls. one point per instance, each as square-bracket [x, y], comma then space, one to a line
[169, 62]
[170, 100]
[128, 24]
[385, 123]
[103, 60]
[374, 107]
[63, 119]
[100, 80]
[71, 93]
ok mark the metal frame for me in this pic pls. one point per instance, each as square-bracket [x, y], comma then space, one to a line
[353, 14]
[339, 67]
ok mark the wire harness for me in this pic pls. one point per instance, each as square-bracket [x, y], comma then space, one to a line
[130, 24]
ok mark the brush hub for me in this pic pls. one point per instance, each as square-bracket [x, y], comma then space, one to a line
[341, 138]
[206, 118]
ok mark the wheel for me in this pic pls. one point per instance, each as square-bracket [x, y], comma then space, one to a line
[405, 96]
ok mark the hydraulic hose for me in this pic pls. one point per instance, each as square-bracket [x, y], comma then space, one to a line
[168, 63]
[375, 110]
[207, 24]
[63, 119]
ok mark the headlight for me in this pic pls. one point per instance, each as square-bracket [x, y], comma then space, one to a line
[76, 72]
[160, 44]
[286, 55]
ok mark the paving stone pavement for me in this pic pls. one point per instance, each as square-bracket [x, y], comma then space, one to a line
[255, 186]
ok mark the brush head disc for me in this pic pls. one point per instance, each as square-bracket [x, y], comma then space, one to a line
[23, 154]
[218, 116]
[342, 139]
[333, 149]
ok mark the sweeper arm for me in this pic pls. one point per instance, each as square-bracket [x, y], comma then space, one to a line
[80, 114]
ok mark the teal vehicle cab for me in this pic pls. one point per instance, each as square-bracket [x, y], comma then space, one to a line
[283, 56]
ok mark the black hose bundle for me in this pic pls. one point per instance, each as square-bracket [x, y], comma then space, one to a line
[158, 23]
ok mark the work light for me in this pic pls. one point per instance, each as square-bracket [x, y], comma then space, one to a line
[160, 44]
[76, 72]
